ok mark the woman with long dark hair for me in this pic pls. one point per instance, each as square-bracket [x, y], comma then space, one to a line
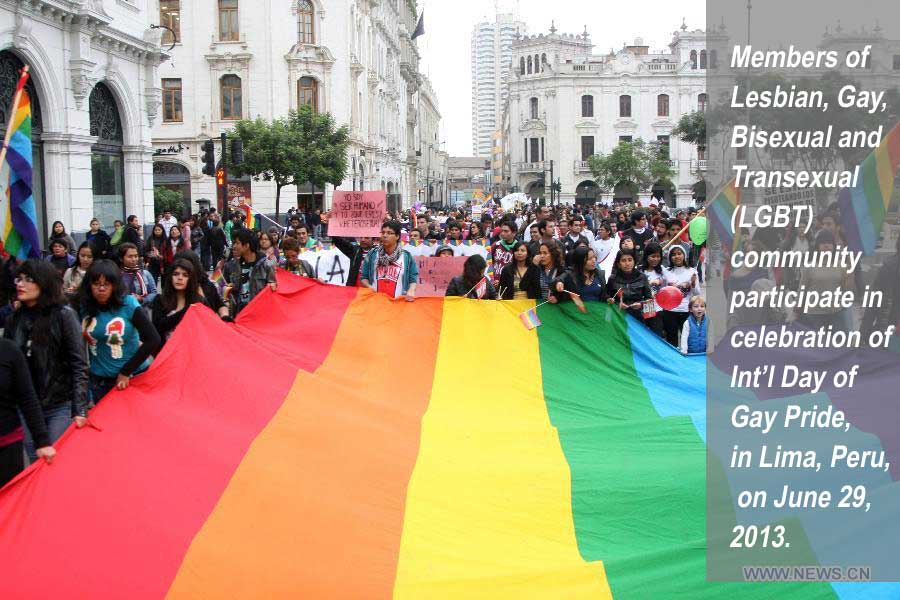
[683, 277]
[552, 266]
[180, 289]
[469, 282]
[628, 287]
[72, 278]
[586, 276]
[520, 279]
[119, 334]
[58, 232]
[175, 244]
[46, 330]
[99, 239]
[651, 267]
[154, 249]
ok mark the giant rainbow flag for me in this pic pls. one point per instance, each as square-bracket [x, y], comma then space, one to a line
[334, 443]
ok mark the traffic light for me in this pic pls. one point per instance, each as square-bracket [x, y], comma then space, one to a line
[209, 158]
[237, 152]
[220, 177]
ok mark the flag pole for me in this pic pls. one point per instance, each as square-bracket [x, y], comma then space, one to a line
[20, 87]
[700, 213]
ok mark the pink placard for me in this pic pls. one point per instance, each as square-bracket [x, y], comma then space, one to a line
[435, 273]
[357, 214]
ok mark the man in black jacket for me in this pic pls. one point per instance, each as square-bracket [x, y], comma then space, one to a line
[356, 252]
[248, 273]
[639, 232]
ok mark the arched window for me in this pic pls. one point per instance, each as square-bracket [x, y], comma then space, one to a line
[232, 108]
[543, 62]
[662, 105]
[587, 106]
[693, 59]
[537, 63]
[229, 31]
[107, 161]
[307, 34]
[534, 108]
[530, 65]
[308, 93]
[625, 106]
[701, 102]
[522, 66]
[703, 59]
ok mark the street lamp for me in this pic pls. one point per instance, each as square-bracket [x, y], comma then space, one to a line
[170, 30]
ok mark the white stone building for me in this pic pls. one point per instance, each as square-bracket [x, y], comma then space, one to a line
[492, 43]
[433, 160]
[95, 95]
[237, 59]
[567, 103]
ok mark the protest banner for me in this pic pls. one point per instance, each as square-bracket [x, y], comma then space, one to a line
[357, 214]
[435, 274]
[329, 264]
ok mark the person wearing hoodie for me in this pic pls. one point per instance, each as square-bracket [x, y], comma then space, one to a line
[651, 267]
[683, 277]
[248, 272]
[627, 286]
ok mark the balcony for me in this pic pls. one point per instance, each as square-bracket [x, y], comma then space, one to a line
[531, 167]
[582, 166]
[660, 67]
[699, 166]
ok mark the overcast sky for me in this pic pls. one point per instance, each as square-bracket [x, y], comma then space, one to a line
[445, 47]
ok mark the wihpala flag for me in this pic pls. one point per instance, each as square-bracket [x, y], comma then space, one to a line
[20, 233]
[316, 449]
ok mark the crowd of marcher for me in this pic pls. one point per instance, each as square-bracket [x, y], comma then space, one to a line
[88, 318]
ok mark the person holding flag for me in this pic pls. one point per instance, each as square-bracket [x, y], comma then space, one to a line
[472, 283]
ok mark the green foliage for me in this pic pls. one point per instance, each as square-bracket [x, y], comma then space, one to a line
[638, 163]
[302, 147]
[165, 199]
[691, 128]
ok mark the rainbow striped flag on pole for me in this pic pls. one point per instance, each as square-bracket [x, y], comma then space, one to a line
[20, 233]
[864, 206]
[720, 212]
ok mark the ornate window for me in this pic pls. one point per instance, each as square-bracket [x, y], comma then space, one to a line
[693, 59]
[587, 106]
[170, 16]
[587, 147]
[534, 108]
[662, 105]
[703, 59]
[171, 100]
[229, 31]
[308, 93]
[232, 108]
[625, 106]
[543, 62]
[530, 65]
[701, 102]
[107, 160]
[522, 66]
[307, 32]
[10, 65]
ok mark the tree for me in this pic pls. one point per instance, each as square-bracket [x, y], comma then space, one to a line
[691, 128]
[637, 163]
[302, 147]
[165, 199]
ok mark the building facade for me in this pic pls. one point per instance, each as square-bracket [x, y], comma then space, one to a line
[236, 59]
[94, 90]
[432, 167]
[492, 53]
[467, 175]
[567, 103]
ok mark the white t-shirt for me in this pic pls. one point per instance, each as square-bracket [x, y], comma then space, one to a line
[681, 277]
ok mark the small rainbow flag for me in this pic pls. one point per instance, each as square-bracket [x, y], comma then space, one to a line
[20, 233]
[864, 206]
[720, 213]
[251, 218]
[530, 319]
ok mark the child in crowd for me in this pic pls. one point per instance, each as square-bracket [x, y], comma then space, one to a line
[693, 333]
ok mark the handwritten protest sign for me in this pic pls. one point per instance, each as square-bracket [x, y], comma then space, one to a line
[357, 214]
[330, 266]
[435, 273]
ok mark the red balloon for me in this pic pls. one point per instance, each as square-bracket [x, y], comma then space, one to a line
[669, 297]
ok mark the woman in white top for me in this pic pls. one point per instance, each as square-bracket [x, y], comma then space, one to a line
[72, 278]
[683, 277]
